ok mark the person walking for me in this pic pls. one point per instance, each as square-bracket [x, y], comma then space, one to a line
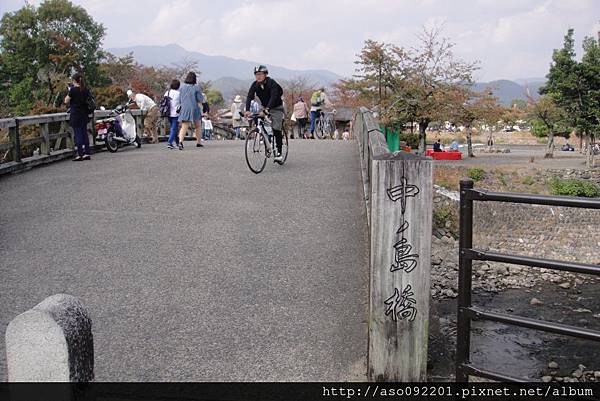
[237, 110]
[301, 114]
[191, 99]
[254, 107]
[207, 127]
[318, 100]
[149, 107]
[77, 101]
[175, 105]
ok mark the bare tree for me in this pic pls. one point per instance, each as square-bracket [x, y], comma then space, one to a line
[470, 107]
[295, 88]
[435, 73]
[187, 64]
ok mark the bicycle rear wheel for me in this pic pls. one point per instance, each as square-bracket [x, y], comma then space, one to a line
[319, 128]
[284, 147]
[328, 127]
[256, 151]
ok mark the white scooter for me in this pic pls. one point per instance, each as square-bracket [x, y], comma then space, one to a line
[118, 129]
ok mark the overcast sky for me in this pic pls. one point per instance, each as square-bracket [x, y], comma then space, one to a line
[511, 38]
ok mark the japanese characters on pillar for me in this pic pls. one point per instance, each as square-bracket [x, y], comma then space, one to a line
[401, 304]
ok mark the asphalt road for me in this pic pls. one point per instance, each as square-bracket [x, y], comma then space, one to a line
[192, 267]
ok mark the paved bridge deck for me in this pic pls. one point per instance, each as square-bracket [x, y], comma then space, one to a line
[192, 267]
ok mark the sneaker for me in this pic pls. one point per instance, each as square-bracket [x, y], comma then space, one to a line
[170, 146]
[78, 159]
[86, 157]
[278, 159]
[180, 146]
[199, 145]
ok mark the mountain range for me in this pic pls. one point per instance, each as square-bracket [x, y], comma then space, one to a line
[215, 67]
[507, 91]
[229, 75]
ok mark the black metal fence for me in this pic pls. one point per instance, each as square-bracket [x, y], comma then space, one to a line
[468, 313]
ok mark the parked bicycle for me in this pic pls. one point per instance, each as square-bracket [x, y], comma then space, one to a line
[325, 125]
[260, 144]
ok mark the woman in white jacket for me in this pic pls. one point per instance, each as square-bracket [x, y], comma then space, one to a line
[237, 110]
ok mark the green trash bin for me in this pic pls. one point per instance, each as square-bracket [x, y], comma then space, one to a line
[392, 138]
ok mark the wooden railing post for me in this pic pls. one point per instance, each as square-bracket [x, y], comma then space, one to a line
[70, 140]
[45, 145]
[398, 190]
[16, 141]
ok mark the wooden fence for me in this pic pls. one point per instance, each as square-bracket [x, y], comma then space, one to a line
[42, 139]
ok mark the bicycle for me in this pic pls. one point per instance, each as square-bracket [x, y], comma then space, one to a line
[260, 145]
[324, 125]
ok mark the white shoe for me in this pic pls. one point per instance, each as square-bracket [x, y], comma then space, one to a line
[278, 159]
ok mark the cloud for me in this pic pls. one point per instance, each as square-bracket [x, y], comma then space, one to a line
[512, 38]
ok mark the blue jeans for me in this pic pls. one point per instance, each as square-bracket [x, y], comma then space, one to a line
[238, 130]
[82, 141]
[206, 134]
[173, 131]
[313, 117]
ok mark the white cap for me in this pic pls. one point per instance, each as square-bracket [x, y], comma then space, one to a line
[129, 93]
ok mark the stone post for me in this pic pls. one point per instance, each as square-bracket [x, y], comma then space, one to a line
[52, 342]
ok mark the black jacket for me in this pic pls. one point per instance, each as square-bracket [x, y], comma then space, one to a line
[269, 93]
[78, 106]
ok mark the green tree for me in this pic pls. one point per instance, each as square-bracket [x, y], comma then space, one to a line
[215, 98]
[41, 47]
[575, 88]
[588, 121]
[377, 67]
[547, 120]
[564, 84]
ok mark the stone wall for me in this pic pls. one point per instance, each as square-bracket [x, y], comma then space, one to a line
[542, 231]
[568, 234]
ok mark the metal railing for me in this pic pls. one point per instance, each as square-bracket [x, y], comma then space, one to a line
[468, 313]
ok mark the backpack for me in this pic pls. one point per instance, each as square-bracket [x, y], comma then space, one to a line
[165, 106]
[90, 103]
[315, 99]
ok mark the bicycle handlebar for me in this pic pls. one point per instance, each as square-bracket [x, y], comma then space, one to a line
[260, 115]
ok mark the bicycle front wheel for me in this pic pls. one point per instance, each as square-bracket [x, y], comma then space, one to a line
[328, 128]
[284, 147]
[256, 152]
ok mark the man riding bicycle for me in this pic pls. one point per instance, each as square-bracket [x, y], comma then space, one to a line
[270, 94]
[317, 100]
